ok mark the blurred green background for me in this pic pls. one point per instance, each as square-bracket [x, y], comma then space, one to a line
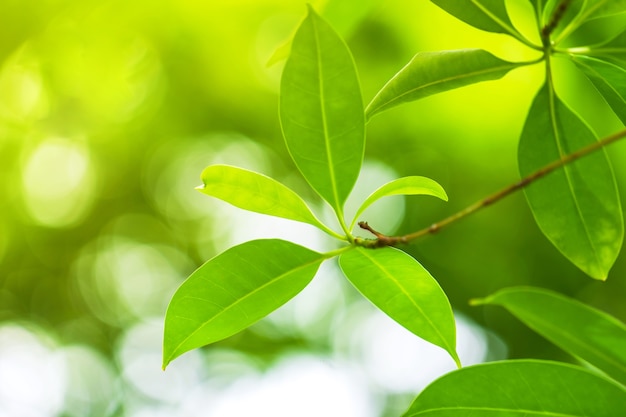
[109, 111]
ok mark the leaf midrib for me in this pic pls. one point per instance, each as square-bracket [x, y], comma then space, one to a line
[329, 156]
[566, 170]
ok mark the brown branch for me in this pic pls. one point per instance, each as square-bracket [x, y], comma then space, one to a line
[383, 240]
[556, 17]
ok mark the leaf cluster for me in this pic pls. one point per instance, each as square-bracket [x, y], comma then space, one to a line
[576, 205]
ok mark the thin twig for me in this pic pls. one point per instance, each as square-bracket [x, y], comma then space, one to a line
[383, 240]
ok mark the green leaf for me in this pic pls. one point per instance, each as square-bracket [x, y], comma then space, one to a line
[255, 192]
[577, 207]
[403, 289]
[520, 388]
[590, 334]
[603, 8]
[403, 186]
[614, 49]
[321, 111]
[609, 80]
[489, 15]
[234, 290]
[430, 73]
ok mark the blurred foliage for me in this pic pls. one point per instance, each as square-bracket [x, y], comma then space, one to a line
[109, 111]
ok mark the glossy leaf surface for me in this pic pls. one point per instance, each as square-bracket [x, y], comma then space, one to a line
[321, 110]
[609, 80]
[234, 290]
[404, 186]
[430, 73]
[489, 15]
[403, 289]
[520, 388]
[255, 192]
[580, 330]
[577, 207]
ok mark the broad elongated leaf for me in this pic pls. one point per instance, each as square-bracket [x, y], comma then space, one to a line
[234, 290]
[321, 111]
[402, 288]
[430, 73]
[404, 186]
[590, 334]
[577, 207]
[489, 15]
[255, 192]
[609, 80]
[520, 388]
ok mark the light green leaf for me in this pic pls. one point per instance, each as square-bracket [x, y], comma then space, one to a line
[489, 15]
[403, 289]
[577, 207]
[430, 73]
[520, 388]
[234, 290]
[321, 111]
[609, 80]
[255, 192]
[590, 334]
[403, 186]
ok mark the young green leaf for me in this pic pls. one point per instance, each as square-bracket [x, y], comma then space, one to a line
[255, 192]
[403, 289]
[489, 15]
[430, 73]
[590, 334]
[321, 111]
[403, 186]
[609, 80]
[520, 388]
[234, 290]
[577, 207]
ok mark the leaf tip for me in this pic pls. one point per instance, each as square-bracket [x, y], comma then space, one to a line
[200, 187]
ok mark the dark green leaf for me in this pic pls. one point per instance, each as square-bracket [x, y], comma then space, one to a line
[234, 290]
[577, 207]
[521, 388]
[255, 192]
[402, 288]
[613, 50]
[321, 111]
[430, 73]
[609, 80]
[403, 186]
[590, 334]
[489, 15]
[602, 8]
